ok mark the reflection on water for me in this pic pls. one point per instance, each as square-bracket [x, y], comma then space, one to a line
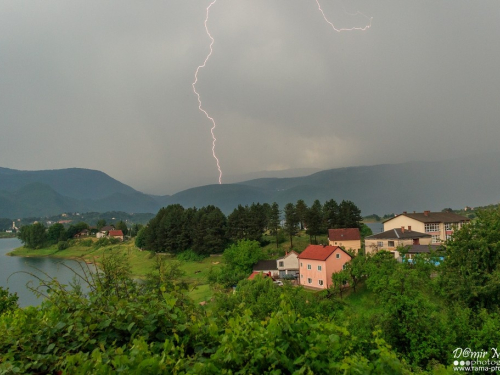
[13, 271]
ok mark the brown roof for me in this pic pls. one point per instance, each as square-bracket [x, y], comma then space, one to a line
[319, 252]
[397, 233]
[346, 234]
[255, 273]
[265, 265]
[115, 233]
[107, 228]
[434, 217]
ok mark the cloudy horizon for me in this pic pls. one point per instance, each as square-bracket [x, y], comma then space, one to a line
[107, 86]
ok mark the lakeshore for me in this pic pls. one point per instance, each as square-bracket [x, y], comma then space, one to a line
[141, 263]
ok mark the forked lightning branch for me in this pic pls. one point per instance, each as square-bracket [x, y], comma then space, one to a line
[212, 41]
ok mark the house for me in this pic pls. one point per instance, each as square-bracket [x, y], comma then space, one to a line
[440, 225]
[317, 263]
[348, 238]
[288, 266]
[392, 239]
[83, 233]
[104, 231]
[116, 234]
[267, 266]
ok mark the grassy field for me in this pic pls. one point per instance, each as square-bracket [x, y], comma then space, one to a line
[7, 235]
[141, 262]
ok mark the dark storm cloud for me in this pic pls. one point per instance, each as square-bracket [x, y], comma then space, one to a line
[107, 85]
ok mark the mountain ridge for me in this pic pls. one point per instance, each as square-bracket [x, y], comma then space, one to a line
[380, 189]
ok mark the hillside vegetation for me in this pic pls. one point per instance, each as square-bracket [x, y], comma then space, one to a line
[401, 318]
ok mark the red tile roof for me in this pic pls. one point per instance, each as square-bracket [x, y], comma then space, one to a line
[255, 273]
[318, 252]
[347, 234]
[115, 233]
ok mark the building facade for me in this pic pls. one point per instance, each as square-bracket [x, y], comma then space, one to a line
[348, 238]
[439, 225]
[392, 239]
[317, 263]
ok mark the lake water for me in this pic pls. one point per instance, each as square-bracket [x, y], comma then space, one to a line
[13, 271]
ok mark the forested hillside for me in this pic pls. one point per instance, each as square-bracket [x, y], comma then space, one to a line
[377, 189]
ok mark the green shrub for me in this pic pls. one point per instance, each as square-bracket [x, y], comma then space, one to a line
[87, 243]
[105, 241]
[61, 245]
[8, 301]
[189, 256]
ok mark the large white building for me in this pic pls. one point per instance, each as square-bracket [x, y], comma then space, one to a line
[439, 225]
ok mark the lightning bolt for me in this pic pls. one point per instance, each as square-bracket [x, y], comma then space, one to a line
[346, 29]
[198, 95]
[212, 40]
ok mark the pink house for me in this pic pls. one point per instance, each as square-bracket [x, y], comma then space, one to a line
[317, 263]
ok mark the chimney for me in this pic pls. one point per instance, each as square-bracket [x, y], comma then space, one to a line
[402, 229]
[426, 213]
[324, 245]
[409, 227]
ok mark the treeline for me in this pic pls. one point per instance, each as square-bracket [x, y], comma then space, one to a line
[208, 231]
[37, 236]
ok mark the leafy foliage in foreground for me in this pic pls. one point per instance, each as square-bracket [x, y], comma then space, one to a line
[410, 324]
[150, 328]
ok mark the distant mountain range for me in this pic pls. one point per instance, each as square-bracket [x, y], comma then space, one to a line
[379, 189]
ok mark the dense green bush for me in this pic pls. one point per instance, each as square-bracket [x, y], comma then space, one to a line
[8, 301]
[87, 242]
[62, 245]
[105, 241]
[189, 256]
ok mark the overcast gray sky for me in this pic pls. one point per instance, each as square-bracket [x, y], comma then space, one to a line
[107, 85]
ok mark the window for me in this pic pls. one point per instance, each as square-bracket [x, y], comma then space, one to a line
[301, 264]
[380, 243]
[448, 237]
[448, 226]
[301, 276]
[344, 266]
[309, 281]
[337, 256]
[281, 264]
[436, 239]
[390, 243]
[308, 266]
[319, 268]
[431, 227]
[320, 282]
